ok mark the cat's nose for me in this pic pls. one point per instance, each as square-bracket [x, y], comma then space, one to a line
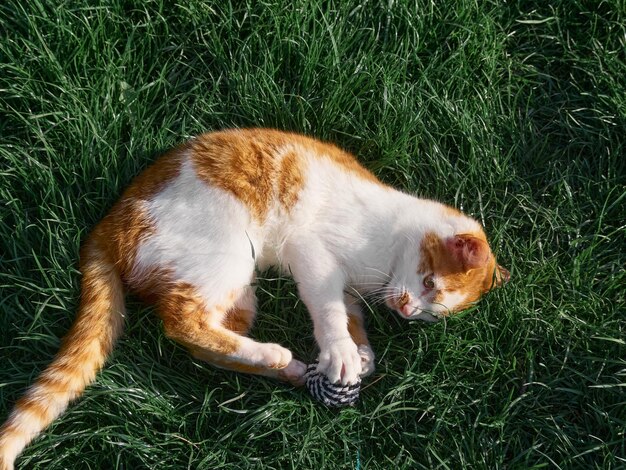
[407, 310]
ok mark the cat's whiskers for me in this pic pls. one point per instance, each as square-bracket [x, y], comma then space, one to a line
[389, 293]
[386, 275]
[370, 283]
[411, 240]
[376, 296]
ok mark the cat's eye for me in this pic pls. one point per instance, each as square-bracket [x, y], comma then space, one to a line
[429, 282]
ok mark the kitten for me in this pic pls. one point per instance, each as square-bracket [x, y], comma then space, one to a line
[189, 232]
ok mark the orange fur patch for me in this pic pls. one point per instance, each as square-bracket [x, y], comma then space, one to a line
[247, 164]
[453, 211]
[36, 408]
[127, 224]
[357, 330]
[238, 320]
[240, 162]
[100, 312]
[187, 320]
[437, 259]
[290, 180]
[233, 365]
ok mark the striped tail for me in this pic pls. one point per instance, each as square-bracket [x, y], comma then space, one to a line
[82, 354]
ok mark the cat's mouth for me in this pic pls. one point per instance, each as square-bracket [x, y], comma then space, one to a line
[400, 304]
[403, 306]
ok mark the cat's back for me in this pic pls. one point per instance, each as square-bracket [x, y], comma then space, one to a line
[222, 190]
[270, 170]
[262, 169]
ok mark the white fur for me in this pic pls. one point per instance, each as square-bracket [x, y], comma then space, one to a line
[344, 231]
[200, 235]
[451, 298]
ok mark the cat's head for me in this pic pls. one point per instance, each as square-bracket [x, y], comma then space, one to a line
[447, 274]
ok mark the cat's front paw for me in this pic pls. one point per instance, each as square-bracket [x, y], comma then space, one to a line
[367, 360]
[272, 356]
[340, 361]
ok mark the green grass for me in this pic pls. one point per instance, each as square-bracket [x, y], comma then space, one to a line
[513, 111]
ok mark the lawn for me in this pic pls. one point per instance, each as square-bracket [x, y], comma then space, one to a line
[514, 112]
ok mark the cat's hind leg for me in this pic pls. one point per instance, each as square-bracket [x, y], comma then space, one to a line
[216, 333]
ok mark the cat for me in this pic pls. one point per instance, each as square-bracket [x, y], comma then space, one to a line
[190, 232]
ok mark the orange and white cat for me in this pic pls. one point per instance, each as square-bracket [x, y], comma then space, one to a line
[190, 231]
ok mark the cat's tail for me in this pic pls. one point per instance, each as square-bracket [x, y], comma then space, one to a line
[84, 349]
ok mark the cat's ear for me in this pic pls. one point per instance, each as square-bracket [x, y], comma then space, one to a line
[502, 275]
[470, 251]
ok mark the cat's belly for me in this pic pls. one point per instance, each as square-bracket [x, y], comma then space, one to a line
[200, 236]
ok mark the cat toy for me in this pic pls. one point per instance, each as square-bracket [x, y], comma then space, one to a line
[331, 395]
